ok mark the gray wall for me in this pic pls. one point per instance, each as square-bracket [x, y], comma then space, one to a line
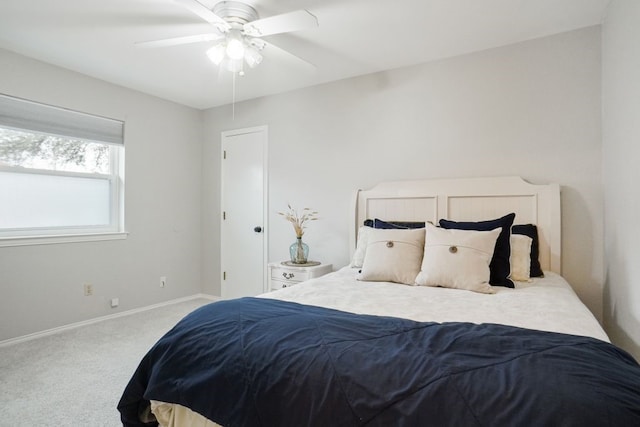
[621, 157]
[530, 109]
[41, 287]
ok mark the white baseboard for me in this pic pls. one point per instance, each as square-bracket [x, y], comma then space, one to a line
[59, 329]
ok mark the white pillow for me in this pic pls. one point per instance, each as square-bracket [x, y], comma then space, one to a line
[458, 258]
[361, 246]
[520, 257]
[393, 256]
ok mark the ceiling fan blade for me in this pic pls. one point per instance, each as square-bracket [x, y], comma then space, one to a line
[175, 41]
[284, 23]
[271, 48]
[205, 13]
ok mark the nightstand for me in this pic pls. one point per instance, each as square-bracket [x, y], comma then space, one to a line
[282, 275]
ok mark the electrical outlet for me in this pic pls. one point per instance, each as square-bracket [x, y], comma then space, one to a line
[88, 289]
[163, 281]
[115, 302]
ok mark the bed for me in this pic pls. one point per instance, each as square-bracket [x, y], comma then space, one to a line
[365, 346]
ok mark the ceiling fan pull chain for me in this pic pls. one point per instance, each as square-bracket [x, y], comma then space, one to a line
[233, 101]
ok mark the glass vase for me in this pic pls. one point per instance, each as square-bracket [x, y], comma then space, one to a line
[299, 251]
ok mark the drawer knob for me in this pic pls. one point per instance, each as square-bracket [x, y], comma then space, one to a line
[288, 275]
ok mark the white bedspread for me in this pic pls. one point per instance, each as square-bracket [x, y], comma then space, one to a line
[547, 304]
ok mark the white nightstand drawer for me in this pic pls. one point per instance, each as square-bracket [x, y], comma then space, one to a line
[283, 276]
[279, 284]
[290, 274]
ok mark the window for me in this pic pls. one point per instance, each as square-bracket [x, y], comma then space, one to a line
[61, 172]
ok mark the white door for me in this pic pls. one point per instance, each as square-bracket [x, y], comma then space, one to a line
[244, 214]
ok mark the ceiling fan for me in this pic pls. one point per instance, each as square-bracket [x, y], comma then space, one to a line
[237, 32]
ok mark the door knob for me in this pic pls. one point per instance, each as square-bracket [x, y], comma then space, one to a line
[257, 229]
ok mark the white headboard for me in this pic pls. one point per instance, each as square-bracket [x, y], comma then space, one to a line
[472, 199]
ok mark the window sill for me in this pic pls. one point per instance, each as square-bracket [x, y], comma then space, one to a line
[66, 238]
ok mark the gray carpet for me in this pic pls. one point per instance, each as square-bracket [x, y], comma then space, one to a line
[75, 378]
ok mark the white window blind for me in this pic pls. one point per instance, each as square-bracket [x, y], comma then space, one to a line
[20, 113]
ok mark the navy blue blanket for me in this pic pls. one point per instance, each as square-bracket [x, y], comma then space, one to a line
[261, 362]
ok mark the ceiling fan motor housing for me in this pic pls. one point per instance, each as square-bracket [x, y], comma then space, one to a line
[235, 12]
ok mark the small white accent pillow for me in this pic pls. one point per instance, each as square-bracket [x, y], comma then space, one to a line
[361, 246]
[520, 257]
[393, 256]
[458, 259]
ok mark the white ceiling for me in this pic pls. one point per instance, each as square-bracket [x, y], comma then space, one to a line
[355, 37]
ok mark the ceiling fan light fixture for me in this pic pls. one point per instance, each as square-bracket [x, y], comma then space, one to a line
[252, 56]
[233, 65]
[217, 53]
[235, 45]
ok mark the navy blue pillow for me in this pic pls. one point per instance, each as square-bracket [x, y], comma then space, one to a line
[378, 223]
[500, 267]
[532, 231]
